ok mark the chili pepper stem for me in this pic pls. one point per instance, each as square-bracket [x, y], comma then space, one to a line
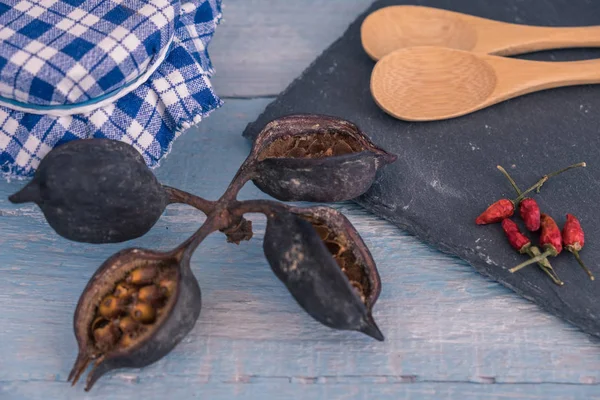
[580, 261]
[510, 179]
[545, 265]
[534, 260]
[581, 164]
[552, 274]
[545, 178]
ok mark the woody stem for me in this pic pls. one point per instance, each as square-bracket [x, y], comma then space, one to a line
[576, 254]
[180, 196]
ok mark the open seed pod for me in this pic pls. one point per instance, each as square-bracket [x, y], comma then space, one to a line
[326, 267]
[134, 310]
[315, 158]
[347, 248]
[96, 191]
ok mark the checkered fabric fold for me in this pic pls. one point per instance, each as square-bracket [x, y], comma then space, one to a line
[131, 70]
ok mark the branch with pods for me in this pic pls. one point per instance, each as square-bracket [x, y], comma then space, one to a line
[552, 240]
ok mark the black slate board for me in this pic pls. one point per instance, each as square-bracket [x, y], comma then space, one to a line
[446, 172]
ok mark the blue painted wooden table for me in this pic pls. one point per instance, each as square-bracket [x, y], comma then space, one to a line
[450, 333]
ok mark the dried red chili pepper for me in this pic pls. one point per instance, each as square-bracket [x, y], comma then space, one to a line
[550, 236]
[573, 239]
[497, 212]
[522, 244]
[550, 241]
[529, 210]
[516, 239]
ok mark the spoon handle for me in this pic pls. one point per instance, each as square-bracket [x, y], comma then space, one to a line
[518, 77]
[512, 39]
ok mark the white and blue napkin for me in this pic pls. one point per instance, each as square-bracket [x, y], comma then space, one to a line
[132, 70]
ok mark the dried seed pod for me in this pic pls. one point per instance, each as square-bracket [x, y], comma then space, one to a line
[350, 252]
[315, 158]
[96, 191]
[300, 259]
[121, 342]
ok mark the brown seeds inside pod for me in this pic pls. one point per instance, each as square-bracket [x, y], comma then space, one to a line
[110, 307]
[133, 306]
[143, 312]
[107, 336]
[313, 145]
[142, 275]
[128, 339]
[128, 324]
[341, 249]
[166, 287]
[124, 290]
[151, 294]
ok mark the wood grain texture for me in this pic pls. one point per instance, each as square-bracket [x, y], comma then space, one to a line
[262, 45]
[401, 26]
[428, 83]
[450, 333]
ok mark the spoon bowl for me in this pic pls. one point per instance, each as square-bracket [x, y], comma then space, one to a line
[426, 83]
[395, 27]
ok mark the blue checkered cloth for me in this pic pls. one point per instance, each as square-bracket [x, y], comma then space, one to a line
[137, 71]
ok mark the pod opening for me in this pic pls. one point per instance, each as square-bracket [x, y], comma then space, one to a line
[312, 145]
[341, 248]
[133, 306]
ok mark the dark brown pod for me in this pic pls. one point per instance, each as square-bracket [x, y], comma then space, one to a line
[144, 332]
[348, 250]
[315, 158]
[339, 291]
[96, 191]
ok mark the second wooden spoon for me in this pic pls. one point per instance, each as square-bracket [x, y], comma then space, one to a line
[433, 83]
[395, 27]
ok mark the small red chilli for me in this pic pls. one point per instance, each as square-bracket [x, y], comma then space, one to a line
[497, 212]
[516, 239]
[550, 236]
[550, 241]
[522, 244]
[529, 210]
[573, 239]
[572, 233]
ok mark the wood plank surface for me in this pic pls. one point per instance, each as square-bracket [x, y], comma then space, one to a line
[450, 333]
[262, 45]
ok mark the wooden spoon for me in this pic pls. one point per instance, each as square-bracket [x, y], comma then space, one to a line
[431, 83]
[395, 27]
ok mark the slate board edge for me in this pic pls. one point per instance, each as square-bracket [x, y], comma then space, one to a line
[402, 224]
